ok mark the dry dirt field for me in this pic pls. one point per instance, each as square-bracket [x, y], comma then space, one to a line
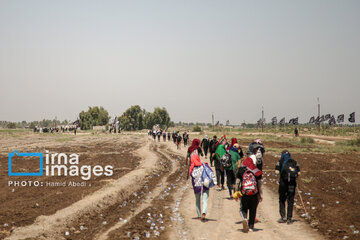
[148, 195]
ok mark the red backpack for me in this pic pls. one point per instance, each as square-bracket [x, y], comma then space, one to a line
[249, 184]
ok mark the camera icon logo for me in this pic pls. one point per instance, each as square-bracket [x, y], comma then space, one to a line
[40, 155]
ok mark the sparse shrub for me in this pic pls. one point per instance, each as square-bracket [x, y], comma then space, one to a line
[307, 140]
[196, 129]
[355, 142]
[11, 125]
[307, 180]
[347, 180]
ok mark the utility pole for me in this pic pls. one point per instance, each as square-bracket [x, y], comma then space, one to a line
[318, 113]
[262, 118]
[212, 115]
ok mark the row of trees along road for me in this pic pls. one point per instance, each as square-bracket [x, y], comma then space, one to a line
[134, 118]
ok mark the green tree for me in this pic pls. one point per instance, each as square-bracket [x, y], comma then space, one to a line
[148, 121]
[32, 125]
[161, 116]
[135, 118]
[132, 118]
[94, 116]
[196, 129]
[11, 125]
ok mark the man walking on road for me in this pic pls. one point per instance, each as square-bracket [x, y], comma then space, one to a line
[205, 145]
[186, 138]
[212, 149]
[289, 171]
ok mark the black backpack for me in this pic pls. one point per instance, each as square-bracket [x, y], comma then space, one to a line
[213, 146]
[226, 160]
[289, 171]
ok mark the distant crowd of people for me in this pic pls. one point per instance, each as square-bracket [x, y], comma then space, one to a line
[175, 135]
[113, 129]
[62, 129]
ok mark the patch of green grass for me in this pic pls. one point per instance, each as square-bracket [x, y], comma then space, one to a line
[307, 180]
[305, 140]
[347, 180]
[64, 139]
[354, 142]
[15, 133]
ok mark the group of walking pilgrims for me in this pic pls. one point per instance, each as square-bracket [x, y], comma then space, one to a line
[243, 174]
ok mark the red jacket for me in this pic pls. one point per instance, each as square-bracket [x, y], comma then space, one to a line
[248, 162]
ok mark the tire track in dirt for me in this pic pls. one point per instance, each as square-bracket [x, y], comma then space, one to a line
[54, 226]
[155, 218]
[148, 201]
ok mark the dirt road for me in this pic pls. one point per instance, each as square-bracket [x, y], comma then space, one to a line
[156, 201]
[225, 222]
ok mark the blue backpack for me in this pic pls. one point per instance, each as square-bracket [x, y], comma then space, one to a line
[208, 176]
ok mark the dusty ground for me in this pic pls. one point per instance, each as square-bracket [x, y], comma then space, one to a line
[31, 202]
[329, 186]
[149, 196]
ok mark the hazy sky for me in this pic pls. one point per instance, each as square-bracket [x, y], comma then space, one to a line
[192, 57]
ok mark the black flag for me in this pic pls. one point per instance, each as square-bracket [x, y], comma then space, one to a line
[332, 121]
[312, 120]
[352, 117]
[217, 123]
[282, 121]
[317, 120]
[294, 121]
[274, 121]
[340, 118]
[322, 119]
[259, 122]
[76, 122]
[327, 116]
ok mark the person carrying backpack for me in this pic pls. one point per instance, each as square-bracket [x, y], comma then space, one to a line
[168, 136]
[174, 137]
[219, 154]
[158, 134]
[205, 145]
[212, 149]
[164, 136]
[233, 142]
[185, 138]
[229, 170]
[250, 189]
[203, 178]
[178, 141]
[289, 170]
[194, 149]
